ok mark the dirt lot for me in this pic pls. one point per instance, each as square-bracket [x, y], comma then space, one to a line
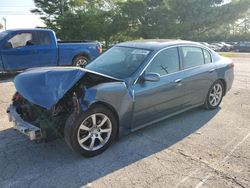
[198, 148]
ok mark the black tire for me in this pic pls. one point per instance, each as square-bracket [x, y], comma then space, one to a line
[71, 130]
[208, 105]
[80, 61]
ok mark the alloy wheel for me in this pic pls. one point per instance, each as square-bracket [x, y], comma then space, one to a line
[215, 95]
[94, 132]
[82, 62]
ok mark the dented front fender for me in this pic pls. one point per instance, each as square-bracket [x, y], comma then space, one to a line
[114, 94]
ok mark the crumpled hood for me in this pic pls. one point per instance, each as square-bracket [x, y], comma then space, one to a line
[46, 86]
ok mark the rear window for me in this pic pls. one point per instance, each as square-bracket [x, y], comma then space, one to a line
[43, 38]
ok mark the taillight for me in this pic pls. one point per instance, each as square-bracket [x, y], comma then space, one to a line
[231, 65]
[99, 49]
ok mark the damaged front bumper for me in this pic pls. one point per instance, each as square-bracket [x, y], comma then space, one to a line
[33, 132]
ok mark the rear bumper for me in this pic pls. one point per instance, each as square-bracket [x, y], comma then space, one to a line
[31, 131]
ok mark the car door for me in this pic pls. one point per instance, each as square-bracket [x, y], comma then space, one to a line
[46, 49]
[198, 74]
[18, 53]
[154, 100]
[26, 50]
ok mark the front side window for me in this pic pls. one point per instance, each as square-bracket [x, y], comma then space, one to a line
[119, 62]
[166, 62]
[20, 40]
[192, 57]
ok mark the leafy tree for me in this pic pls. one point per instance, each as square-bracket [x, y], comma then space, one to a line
[116, 20]
[181, 19]
[201, 16]
[50, 11]
[237, 31]
[89, 20]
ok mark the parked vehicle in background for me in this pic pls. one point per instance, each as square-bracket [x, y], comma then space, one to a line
[28, 48]
[227, 47]
[213, 47]
[130, 86]
[219, 46]
[232, 43]
[243, 46]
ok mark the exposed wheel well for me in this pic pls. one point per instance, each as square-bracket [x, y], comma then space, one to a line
[111, 108]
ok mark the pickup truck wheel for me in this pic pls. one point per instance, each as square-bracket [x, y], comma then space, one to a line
[80, 61]
[92, 132]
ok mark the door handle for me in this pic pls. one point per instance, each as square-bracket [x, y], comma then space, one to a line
[212, 70]
[178, 81]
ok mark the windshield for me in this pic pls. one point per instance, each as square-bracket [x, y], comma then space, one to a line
[119, 62]
[3, 34]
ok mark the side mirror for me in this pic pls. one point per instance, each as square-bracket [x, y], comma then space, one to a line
[8, 45]
[151, 77]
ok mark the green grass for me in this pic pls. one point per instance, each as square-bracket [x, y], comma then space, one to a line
[228, 54]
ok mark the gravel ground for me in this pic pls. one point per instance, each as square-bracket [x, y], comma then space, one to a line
[198, 148]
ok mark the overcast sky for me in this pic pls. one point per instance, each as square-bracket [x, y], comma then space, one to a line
[17, 14]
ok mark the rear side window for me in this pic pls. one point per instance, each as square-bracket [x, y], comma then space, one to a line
[166, 62]
[192, 57]
[207, 56]
[43, 38]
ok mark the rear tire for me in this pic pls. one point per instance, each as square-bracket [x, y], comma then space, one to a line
[90, 133]
[215, 95]
[80, 61]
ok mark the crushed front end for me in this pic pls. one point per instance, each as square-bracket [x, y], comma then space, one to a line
[37, 122]
[33, 132]
[47, 97]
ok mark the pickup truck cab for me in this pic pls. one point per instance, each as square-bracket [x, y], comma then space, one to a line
[28, 48]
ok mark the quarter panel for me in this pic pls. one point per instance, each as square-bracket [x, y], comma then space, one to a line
[225, 72]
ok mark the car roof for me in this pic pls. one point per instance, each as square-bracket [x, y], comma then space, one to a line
[156, 44]
[28, 30]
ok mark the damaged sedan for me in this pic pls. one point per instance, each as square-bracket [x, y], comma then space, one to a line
[132, 85]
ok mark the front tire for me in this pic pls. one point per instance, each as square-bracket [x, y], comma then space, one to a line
[215, 95]
[91, 132]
